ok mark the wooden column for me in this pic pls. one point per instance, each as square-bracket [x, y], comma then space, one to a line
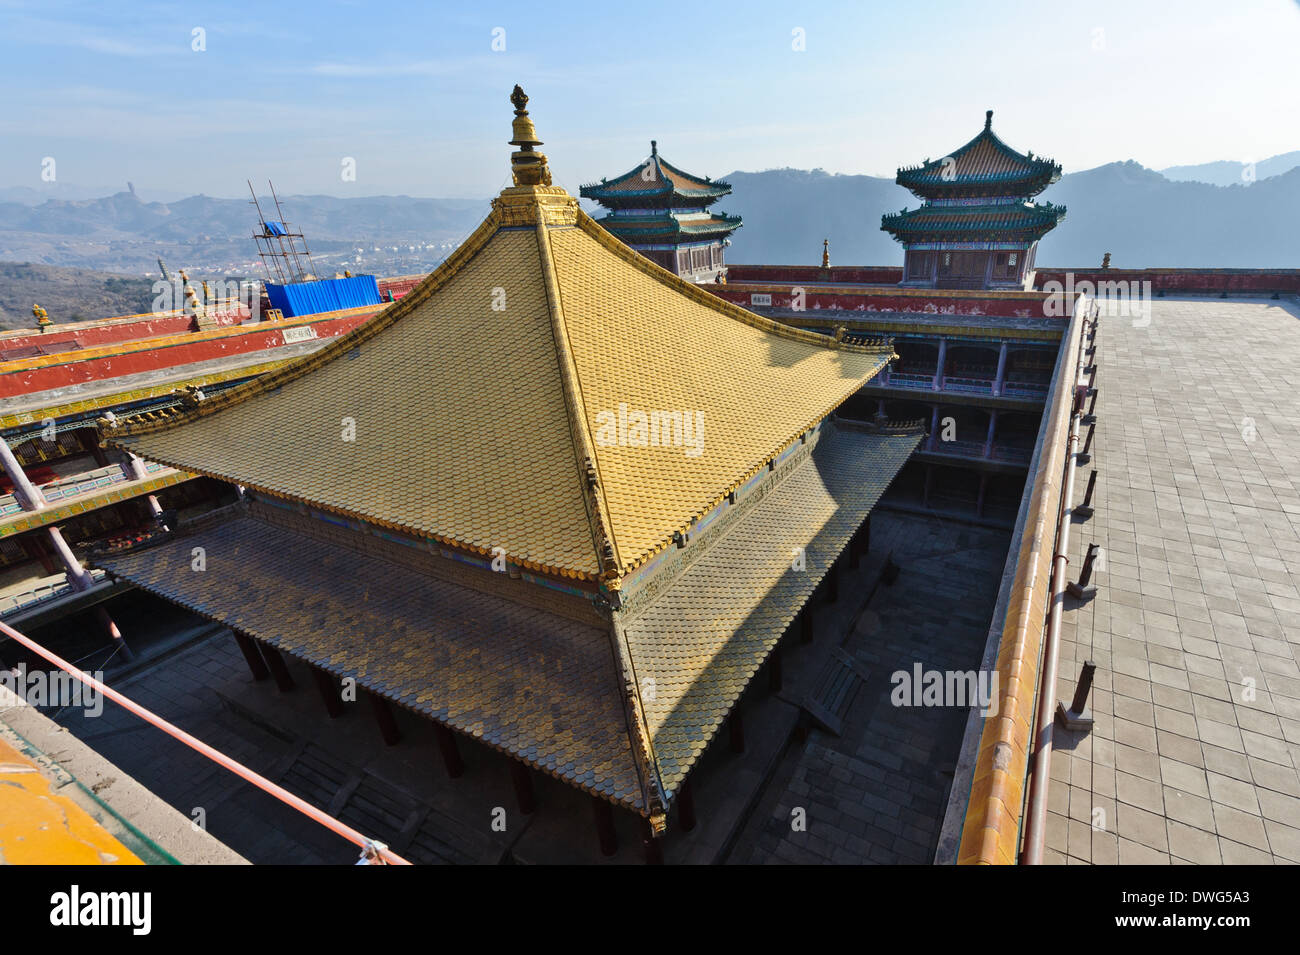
[864, 537]
[384, 717]
[279, 671]
[806, 623]
[450, 753]
[736, 730]
[522, 778]
[833, 582]
[252, 656]
[686, 806]
[35, 548]
[775, 678]
[90, 444]
[604, 815]
[329, 692]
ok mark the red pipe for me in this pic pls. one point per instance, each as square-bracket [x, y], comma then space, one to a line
[239, 769]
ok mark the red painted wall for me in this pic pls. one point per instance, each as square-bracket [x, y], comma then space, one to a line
[128, 361]
[112, 331]
[887, 299]
[849, 274]
[1261, 281]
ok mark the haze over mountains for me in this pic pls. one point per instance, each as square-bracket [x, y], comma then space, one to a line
[1190, 216]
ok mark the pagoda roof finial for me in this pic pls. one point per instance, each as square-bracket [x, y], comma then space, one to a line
[528, 166]
[988, 118]
[654, 148]
[826, 253]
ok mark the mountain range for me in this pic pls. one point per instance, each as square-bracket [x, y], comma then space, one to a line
[1177, 217]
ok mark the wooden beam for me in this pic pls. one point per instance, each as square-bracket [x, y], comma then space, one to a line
[279, 671]
[522, 778]
[450, 753]
[686, 806]
[384, 717]
[604, 816]
[736, 730]
[252, 656]
[775, 677]
[329, 692]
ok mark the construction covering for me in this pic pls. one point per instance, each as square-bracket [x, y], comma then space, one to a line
[323, 295]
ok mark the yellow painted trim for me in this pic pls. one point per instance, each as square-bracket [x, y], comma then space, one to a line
[29, 520]
[39, 826]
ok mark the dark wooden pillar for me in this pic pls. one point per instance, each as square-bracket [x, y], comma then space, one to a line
[604, 814]
[864, 537]
[853, 549]
[279, 671]
[736, 730]
[252, 656]
[35, 549]
[384, 717]
[654, 849]
[806, 623]
[90, 443]
[522, 778]
[450, 753]
[833, 582]
[775, 677]
[329, 692]
[686, 806]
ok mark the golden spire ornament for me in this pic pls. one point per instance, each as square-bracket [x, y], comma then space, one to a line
[826, 253]
[528, 166]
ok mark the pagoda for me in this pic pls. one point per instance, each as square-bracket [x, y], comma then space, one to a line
[554, 500]
[978, 227]
[663, 213]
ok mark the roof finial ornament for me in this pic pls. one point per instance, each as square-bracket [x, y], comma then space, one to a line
[528, 166]
[826, 253]
[988, 118]
[654, 148]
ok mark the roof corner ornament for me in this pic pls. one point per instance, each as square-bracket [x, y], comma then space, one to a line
[988, 119]
[528, 166]
[841, 332]
[42, 318]
[654, 147]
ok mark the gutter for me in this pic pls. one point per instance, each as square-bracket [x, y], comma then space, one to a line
[1040, 772]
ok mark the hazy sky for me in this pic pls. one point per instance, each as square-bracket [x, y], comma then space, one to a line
[417, 96]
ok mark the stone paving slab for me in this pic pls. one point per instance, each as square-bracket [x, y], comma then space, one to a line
[876, 794]
[1196, 627]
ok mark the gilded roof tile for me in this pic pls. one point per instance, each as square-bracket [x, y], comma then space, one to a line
[476, 410]
[702, 641]
[534, 684]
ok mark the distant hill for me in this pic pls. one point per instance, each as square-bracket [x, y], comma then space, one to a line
[1143, 217]
[1135, 213]
[1228, 173]
[67, 294]
[123, 233]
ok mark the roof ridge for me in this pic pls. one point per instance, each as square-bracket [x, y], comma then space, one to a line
[603, 542]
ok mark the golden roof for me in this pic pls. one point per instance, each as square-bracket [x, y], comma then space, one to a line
[497, 404]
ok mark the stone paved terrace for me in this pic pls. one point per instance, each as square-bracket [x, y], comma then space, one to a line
[876, 793]
[1196, 626]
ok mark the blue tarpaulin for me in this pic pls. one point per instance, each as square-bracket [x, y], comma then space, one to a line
[323, 295]
[275, 228]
